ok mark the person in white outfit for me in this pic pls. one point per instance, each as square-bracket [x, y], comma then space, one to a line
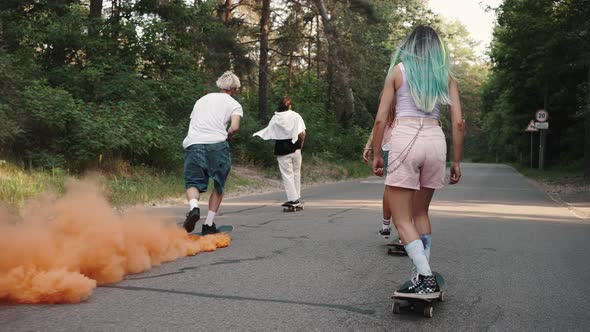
[288, 130]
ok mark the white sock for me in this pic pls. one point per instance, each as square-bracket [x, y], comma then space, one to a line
[415, 250]
[386, 223]
[194, 203]
[210, 217]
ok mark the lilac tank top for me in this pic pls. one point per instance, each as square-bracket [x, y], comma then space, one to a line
[405, 105]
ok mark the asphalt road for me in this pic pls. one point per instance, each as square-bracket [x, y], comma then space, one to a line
[512, 258]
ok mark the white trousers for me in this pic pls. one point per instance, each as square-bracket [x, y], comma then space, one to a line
[290, 166]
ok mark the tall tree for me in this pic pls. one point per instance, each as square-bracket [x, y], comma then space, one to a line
[339, 79]
[225, 10]
[263, 64]
[540, 60]
[95, 17]
[587, 130]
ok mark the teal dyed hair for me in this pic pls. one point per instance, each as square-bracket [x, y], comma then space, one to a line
[427, 67]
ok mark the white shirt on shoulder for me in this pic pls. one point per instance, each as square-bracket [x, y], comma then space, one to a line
[283, 125]
[210, 117]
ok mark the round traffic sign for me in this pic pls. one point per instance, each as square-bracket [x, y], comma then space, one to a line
[541, 115]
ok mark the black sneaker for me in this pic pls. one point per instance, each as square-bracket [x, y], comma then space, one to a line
[385, 232]
[425, 287]
[206, 229]
[191, 219]
[295, 203]
[287, 203]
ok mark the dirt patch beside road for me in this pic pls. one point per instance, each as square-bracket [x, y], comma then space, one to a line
[575, 196]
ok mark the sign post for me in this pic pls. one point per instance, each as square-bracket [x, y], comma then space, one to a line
[531, 129]
[541, 116]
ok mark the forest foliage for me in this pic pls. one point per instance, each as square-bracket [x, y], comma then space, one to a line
[540, 59]
[84, 83]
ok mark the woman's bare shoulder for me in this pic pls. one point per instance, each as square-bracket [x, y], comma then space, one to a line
[396, 76]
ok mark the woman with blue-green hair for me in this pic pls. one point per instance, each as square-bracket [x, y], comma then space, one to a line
[419, 81]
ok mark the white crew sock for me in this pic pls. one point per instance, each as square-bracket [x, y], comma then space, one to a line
[386, 223]
[210, 217]
[415, 250]
[194, 203]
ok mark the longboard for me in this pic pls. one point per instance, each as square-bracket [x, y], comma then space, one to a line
[221, 229]
[289, 208]
[395, 242]
[396, 248]
[409, 303]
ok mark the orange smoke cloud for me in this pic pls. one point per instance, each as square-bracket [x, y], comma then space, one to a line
[60, 249]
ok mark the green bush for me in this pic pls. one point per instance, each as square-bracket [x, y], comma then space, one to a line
[326, 139]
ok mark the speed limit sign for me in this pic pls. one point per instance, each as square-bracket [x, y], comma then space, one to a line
[541, 115]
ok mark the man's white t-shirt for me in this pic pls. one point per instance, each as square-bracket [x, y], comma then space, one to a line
[210, 118]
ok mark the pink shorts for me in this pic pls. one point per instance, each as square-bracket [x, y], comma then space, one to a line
[421, 164]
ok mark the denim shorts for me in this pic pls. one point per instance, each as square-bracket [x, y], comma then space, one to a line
[206, 161]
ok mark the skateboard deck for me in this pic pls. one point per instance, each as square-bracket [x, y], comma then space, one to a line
[396, 248]
[292, 208]
[395, 242]
[222, 229]
[412, 304]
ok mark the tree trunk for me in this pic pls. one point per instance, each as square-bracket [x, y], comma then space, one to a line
[340, 94]
[318, 52]
[115, 19]
[2, 31]
[587, 132]
[224, 13]
[263, 65]
[95, 16]
[309, 39]
[116, 10]
[290, 83]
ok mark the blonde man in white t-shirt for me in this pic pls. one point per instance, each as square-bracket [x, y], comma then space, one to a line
[206, 150]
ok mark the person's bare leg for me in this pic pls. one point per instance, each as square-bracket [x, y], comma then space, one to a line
[194, 214]
[400, 205]
[385, 230]
[420, 206]
[214, 201]
[386, 209]
[192, 193]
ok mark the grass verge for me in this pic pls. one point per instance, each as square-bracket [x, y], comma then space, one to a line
[563, 175]
[140, 185]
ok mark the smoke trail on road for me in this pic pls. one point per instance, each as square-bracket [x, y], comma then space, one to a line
[58, 250]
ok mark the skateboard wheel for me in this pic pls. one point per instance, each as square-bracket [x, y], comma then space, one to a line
[442, 297]
[428, 311]
[395, 308]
